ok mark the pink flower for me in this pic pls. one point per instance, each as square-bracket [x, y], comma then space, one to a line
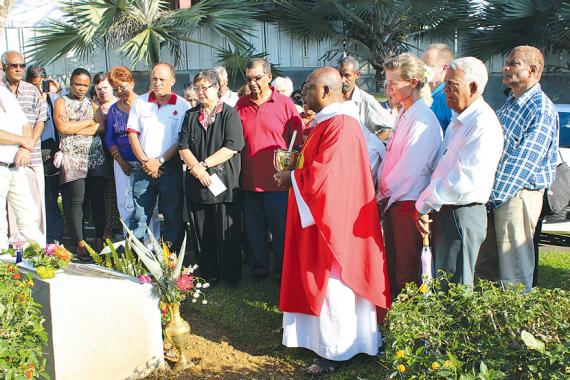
[50, 249]
[185, 282]
[145, 279]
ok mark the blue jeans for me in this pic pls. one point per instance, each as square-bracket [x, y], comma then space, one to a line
[168, 189]
[260, 211]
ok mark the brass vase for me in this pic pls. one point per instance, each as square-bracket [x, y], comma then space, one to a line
[178, 332]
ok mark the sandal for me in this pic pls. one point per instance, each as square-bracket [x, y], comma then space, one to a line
[321, 366]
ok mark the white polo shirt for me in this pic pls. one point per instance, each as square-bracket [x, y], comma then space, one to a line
[12, 119]
[157, 126]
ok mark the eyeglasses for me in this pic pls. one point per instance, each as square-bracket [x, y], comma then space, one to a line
[255, 79]
[16, 65]
[120, 88]
[203, 88]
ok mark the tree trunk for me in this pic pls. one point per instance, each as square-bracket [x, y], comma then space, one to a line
[5, 7]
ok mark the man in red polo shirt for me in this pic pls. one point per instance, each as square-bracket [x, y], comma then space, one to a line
[268, 120]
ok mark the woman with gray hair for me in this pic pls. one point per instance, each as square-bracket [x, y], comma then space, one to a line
[283, 85]
[410, 159]
[210, 141]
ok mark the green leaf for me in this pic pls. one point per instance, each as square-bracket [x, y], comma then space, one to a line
[531, 342]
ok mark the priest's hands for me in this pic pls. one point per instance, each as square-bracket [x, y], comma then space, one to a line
[422, 222]
[283, 179]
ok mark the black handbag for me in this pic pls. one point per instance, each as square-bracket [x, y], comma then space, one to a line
[558, 196]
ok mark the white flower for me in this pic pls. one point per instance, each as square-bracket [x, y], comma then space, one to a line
[198, 285]
[190, 270]
[206, 285]
[195, 266]
[196, 295]
[204, 302]
[194, 300]
[429, 73]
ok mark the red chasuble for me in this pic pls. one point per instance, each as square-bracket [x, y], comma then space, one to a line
[334, 180]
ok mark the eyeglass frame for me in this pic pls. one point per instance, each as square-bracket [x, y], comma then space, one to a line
[202, 89]
[15, 65]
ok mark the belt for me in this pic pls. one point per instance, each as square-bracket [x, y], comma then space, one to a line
[461, 206]
[8, 165]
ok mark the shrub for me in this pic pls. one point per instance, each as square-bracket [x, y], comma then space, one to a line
[22, 335]
[478, 333]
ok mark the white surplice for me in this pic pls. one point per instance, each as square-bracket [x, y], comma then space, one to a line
[347, 323]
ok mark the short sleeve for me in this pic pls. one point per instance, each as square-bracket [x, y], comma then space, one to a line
[233, 130]
[184, 135]
[134, 124]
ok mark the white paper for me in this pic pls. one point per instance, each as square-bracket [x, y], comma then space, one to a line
[217, 186]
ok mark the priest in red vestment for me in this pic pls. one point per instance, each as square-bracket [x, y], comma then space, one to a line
[334, 267]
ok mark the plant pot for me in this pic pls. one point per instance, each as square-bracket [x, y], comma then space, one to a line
[178, 333]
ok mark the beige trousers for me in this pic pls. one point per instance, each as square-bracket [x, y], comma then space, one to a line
[36, 183]
[507, 254]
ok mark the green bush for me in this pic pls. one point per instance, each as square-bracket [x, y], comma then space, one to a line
[479, 333]
[22, 335]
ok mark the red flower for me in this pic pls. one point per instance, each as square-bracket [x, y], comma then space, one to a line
[16, 276]
[185, 282]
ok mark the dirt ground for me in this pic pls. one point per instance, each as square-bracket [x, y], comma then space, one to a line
[214, 357]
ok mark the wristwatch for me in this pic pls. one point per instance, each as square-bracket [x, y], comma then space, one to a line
[161, 160]
[204, 164]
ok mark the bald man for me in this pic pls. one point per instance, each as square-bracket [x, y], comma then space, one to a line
[334, 272]
[438, 57]
[154, 123]
[526, 168]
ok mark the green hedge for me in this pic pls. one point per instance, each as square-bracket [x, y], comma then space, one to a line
[479, 333]
[22, 335]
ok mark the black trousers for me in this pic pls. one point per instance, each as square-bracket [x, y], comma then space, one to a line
[73, 194]
[54, 219]
[216, 230]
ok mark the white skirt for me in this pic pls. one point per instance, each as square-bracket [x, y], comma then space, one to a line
[347, 325]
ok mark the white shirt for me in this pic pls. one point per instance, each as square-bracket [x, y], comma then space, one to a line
[465, 173]
[12, 119]
[157, 127]
[411, 154]
[370, 111]
[230, 98]
[376, 153]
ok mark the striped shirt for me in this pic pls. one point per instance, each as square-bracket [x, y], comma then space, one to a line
[34, 107]
[530, 129]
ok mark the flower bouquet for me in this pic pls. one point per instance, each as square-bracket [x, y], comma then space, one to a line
[46, 261]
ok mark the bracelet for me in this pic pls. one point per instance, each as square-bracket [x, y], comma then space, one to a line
[29, 150]
[115, 154]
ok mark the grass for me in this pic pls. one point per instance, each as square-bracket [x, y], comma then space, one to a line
[249, 318]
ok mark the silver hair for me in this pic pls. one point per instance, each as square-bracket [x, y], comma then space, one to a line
[349, 60]
[474, 70]
[5, 56]
[284, 83]
[222, 73]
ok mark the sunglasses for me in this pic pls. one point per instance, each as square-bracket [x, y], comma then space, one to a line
[256, 79]
[15, 65]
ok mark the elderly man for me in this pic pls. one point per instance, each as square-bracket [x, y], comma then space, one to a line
[33, 105]
[154, 123]
[334, 270]
[438, 57]
[16, 143]
[269, 120]
[227, 96]
[371, 114]
[527, 167]
[463, 178]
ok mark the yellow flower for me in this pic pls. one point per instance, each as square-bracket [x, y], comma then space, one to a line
[62, 253]
[400, 354]
[447, 364]
[423, 288]
[435, 366]
[165, 253]
[401, 368]
[30, 283]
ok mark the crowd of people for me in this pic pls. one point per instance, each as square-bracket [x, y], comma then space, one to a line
[345, 226]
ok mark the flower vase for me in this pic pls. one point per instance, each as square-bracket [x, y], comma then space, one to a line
[178, 332]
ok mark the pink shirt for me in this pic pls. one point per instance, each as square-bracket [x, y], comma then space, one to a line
[265, 128]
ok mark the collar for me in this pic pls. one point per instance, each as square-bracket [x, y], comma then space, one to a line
[271, 98]
[345, 108]
[438, 90]
[356, 95]
[202, 115]
[18, 89]
[524, 98]
[470, 111]
[171, 100]
[417, 104]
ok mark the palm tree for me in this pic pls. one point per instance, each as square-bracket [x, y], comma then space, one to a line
[508, 23]
[138, 29]
[373, 30]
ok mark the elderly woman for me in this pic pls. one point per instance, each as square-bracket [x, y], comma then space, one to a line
[405, 172]
[209, 143]
[83, 165]
[117, 142]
